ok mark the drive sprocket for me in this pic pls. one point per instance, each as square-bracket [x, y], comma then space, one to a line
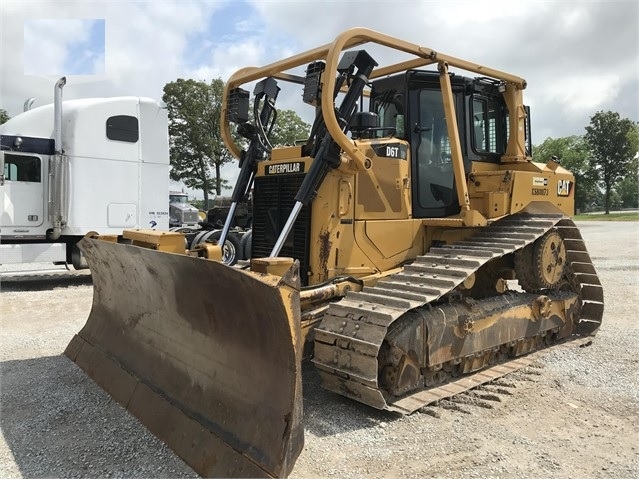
[542, 265]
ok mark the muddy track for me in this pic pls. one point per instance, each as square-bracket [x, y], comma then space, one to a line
[349, 339]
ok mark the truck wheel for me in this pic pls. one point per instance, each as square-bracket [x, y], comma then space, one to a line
[247, 244]
[199, 238]
[231, 250]
[77, 258]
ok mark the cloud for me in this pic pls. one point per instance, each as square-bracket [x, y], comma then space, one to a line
[574, 56]
[146, 46]
[63, 46]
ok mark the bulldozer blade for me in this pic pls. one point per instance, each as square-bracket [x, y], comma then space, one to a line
[206, 356]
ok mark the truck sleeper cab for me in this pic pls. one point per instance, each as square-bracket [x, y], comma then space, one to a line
[108, 171]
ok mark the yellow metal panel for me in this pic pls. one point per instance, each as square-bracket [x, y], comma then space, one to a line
[167, 241]
[274, 266]
[498, 203]
[395, 241]
[286, 153]
[383, 190]
[556, 190]
[391, 237]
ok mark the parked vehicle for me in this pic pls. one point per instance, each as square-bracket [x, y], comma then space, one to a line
[79, 166]
[382, 248]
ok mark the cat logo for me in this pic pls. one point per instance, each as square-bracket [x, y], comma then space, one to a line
[564, 187]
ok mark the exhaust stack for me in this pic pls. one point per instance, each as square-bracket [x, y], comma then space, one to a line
[27, 104]
[57, 169]
[57, 114]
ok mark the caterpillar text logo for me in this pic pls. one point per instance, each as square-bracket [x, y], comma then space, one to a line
[285, 168]
[564, 187]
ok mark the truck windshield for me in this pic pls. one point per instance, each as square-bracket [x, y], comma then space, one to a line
[178, 199]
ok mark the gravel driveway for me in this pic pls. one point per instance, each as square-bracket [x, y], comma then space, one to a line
[574, 413]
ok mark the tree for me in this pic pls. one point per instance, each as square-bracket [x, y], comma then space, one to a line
[573, 154]
[628, 188]
[288, 129]
[3, 116]
[197, 149]
[613, 144]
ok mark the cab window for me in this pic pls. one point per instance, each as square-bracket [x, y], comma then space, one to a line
[489, 126]
[123, 128]
[435, 168]
[389, 106]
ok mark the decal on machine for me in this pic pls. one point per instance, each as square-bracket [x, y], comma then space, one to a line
[540, 181]
[564, 187]
[285, 168]
[391, 150]
[540, 191]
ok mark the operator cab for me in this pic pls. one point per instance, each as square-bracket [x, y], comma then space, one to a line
[410, 106]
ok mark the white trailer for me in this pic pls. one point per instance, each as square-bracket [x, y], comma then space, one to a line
[73, 167]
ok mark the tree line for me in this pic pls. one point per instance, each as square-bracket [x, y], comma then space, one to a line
[604, 161]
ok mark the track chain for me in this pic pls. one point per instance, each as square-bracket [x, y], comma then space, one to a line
[349, 338]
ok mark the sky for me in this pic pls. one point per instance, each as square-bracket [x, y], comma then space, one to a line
[578, 57]
[78, 48]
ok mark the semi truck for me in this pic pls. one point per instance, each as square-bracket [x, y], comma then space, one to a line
[181, 213]
[87, 165]
[93, 165]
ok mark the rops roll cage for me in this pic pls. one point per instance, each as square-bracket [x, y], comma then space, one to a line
[327, 75]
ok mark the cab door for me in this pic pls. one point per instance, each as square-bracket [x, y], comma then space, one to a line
[434, 193]
[21, 191]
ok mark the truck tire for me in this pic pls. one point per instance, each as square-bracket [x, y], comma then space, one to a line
[77, 258]
[247, 244]
[199, 238]
[231, 250]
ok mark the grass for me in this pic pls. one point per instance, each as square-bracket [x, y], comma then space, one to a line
[617, 216]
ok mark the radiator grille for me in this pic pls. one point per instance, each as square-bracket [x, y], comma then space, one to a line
[273, 200]
[191, 217]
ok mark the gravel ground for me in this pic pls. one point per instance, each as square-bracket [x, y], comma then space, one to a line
[574, 413]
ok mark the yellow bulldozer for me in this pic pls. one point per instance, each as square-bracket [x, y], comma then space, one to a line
[410, 248]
